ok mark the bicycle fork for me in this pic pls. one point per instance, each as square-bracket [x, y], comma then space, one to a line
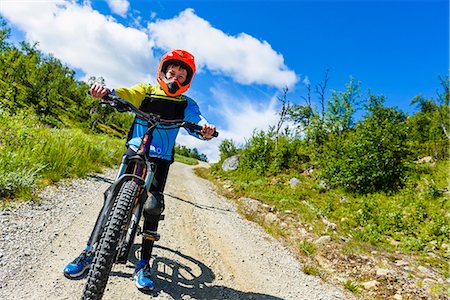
[109, 199]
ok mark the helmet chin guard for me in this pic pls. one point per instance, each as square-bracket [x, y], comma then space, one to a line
[180, 58]
[172, 85]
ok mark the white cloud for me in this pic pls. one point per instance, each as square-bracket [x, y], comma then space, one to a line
[244, 58]
[240, 117]
[119, 7]
[209, 148]
[85, 39]
[100, 46]
[243, 116]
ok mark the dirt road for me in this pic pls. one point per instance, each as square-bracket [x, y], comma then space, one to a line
[206, 251]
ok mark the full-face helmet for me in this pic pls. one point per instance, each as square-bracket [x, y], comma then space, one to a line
[180, 58]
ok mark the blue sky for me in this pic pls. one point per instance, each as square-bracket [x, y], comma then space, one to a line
[247, 51]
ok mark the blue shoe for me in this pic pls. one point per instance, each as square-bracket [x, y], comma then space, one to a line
[142, 276]
[78, 266]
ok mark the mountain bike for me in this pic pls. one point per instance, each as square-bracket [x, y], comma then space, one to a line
[117, 224]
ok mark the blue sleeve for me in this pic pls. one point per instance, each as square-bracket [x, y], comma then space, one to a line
[192, 114]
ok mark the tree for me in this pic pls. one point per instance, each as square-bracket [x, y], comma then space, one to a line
[187, 152]
[96, 112]
[309, 119]
[443, 108]
[440, 105]
[301, 114]
[285, 107]
[5, 33]
[341, 107]
[227, 148]
[430, 126]
[258, 152]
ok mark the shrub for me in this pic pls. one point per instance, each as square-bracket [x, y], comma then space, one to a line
[227, 148]
[374, 156]
[258, 152]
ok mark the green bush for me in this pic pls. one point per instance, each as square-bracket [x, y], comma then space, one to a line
[283, 154]
[258, 152]
[374, 156]
[265, 153]
[426, 134]
[227, 148]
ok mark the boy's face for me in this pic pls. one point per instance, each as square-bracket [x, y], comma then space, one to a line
[176, 72]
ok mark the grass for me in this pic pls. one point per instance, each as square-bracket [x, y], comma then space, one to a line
[32, 156]
[310, 269]
[186, 160]
[273, 229]
[352, 286]
[203, 173]
[307, 248]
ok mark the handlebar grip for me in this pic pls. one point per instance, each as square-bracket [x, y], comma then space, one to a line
[107, 97]
[199, 128]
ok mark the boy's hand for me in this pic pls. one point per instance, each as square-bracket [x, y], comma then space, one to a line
[98, 91]
[208, 131]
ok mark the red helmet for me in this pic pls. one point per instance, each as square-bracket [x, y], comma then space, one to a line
[180, 58]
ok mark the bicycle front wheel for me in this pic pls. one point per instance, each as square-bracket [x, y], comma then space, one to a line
[106, 249]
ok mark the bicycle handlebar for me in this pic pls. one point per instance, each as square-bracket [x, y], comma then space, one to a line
[122, 105]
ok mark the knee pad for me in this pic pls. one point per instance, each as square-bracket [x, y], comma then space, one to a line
[154, 205]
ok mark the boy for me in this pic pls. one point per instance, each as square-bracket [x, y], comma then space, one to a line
[174, 76]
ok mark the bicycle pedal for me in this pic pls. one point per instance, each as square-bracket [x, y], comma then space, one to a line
[151, 235]
[162, 217]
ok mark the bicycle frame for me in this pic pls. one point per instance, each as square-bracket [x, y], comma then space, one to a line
[139, 169]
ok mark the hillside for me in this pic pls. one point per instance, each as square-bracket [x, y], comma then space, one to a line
[362, 200]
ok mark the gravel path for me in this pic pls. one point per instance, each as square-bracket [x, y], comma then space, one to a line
[206, 251]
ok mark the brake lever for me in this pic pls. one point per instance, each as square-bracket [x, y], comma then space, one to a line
[120, 107]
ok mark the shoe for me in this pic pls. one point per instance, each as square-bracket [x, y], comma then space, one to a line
[142, 276]
[78, 266]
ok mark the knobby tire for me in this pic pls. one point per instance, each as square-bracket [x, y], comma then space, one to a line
[106, 251]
